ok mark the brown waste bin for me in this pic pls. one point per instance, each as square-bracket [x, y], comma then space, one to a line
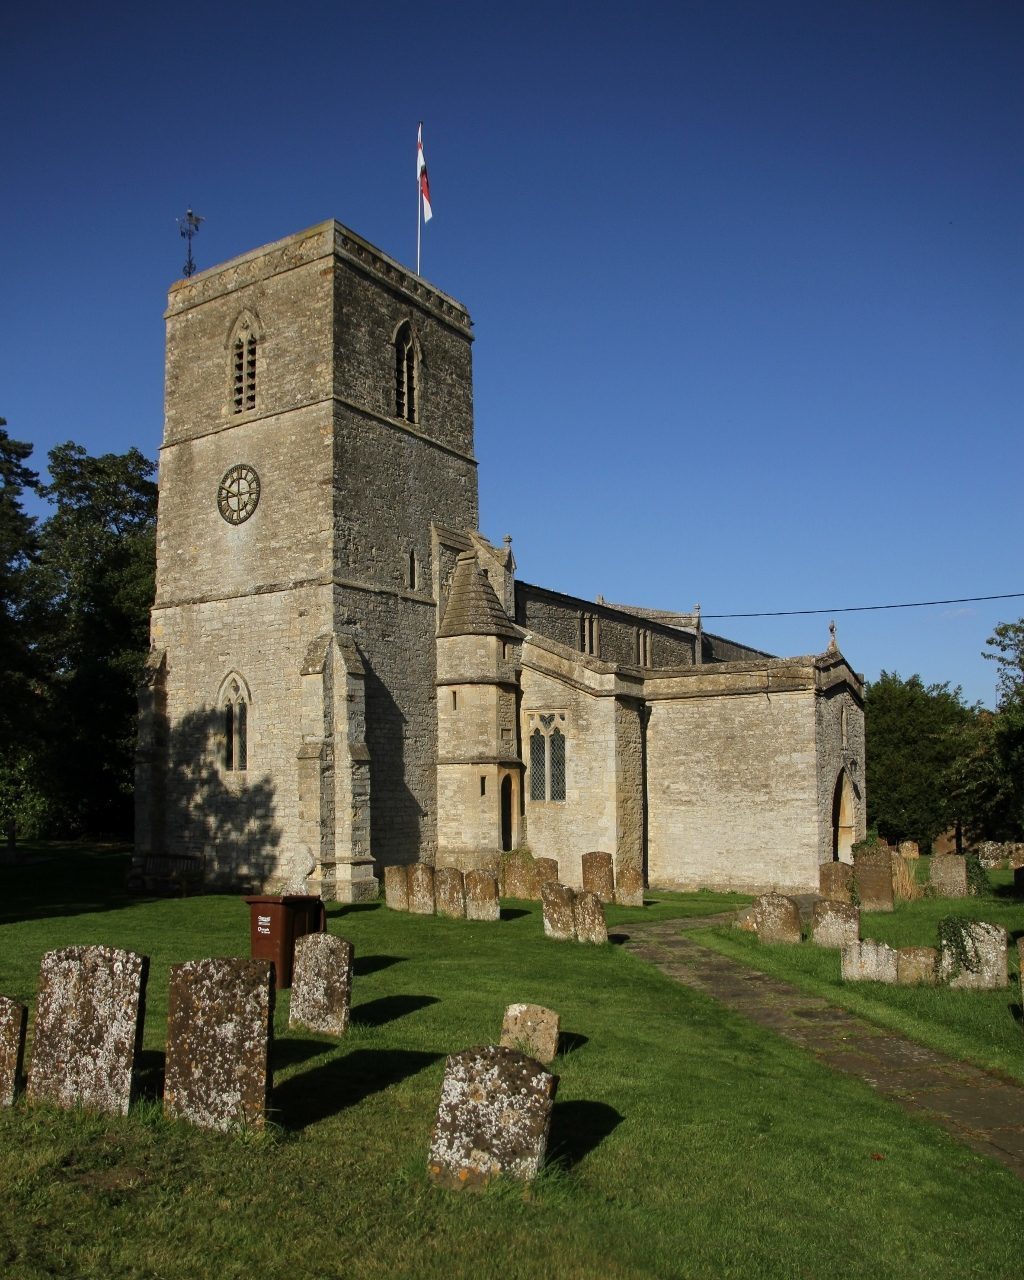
[275, 921]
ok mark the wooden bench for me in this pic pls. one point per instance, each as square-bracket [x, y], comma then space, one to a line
[177, 874]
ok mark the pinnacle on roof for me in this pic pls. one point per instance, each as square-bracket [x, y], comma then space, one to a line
[473, 606]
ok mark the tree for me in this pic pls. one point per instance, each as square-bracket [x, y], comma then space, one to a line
[18, 549]
[1008, 641]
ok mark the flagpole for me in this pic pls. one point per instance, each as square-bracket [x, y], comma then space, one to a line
[419, 197]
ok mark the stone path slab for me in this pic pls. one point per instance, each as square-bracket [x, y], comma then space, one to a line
[980, 1109]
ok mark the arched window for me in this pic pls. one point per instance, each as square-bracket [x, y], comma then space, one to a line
[405, 373]
[235, 712]
[242, 347]
[556, 746]
[538, 765]
[547, 759]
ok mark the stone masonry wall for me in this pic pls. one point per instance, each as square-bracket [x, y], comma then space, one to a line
[833, 755]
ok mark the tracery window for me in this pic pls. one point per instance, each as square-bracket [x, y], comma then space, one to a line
[235, 712]
[405, 374]
[547, 758]
[243, 371]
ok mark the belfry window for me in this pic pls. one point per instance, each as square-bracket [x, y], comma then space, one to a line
[405, 374]
[243, 372]
[236, 728]
[547, 759]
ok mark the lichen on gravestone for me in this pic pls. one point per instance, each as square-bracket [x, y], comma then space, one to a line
[557, 911]
[482, 901]
[835, 924]
[321, 996]
[777, 918]
[396, 888]
[421, 889]
[13, 1020]
[450, 893]
[531, 1029]
[972, 954]
[599, 874]
[588, 918]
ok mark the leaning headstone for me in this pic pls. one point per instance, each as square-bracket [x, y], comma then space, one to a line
[13, 1019]
[545, 871]
[219, 1026]
[868, 961]
[450, 893]
[482, 896]
[557, 900]
[531, 1029]
[421, 889]
[588, 918]
[1015, 855]
[872, 876]
[629, 885]
[835, 924]
[88, 1028]
[517, 874]
[984, 967]
[908, 849]
[915, 966]
[493, 1118]
[322, 984]
[947, 876]
[990, 853]
[835, 881]
[777, 918]
[599, 875]
[396, 888]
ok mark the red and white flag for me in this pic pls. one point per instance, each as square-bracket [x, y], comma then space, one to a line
[421, 174]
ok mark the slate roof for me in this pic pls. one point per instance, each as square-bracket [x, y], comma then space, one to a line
[473, 606]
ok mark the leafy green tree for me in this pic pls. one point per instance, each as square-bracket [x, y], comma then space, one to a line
[986, 781]
[1008, 642]
[18, 549]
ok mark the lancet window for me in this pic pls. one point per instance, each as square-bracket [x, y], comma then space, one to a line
[405, 374]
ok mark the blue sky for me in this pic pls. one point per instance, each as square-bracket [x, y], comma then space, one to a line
[746, 278]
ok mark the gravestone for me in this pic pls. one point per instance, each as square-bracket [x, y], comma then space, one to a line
[835, 881]
[629, 885]
[916, 966]
[1020, 967]
[421, 889]
[557, 900]
[219, 1027]
[482, 896]
[450, 893]
[588, 918]
[88, 1028]
[745, 919]
[322, 984]
[947, 876]
[599, 875]
[517, 874]
[908, 849]
[868, 961]
[545, 871]
[531, 1029]
[872, 876]
[777, 918]
[396, 888]
[987, 967]
[835, 924]
[13, 1020]
[493, 1118]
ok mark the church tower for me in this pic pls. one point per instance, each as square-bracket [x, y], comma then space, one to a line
[318, 420]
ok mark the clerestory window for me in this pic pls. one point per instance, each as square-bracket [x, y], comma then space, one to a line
[405, 374]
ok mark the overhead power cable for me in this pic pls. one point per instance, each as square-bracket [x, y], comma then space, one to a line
[867, 608]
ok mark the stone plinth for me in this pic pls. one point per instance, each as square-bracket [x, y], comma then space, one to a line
[777, 918]
[835, 924]
[947, 875]
[396, 888]
[545, 871]
[559, 922]
[916, 966]
[868, 961]
[599, 875]
[588, 918]
[421, 889]
[872, 875]
[450, 893]
[517, 874]
[629, 886]
[13, 1019]
[322, 984]
[493, 1118]
[986, 968]
[482, 896]
[219, 1028]
[88, 1028]
[835, 881]
[531, 1029]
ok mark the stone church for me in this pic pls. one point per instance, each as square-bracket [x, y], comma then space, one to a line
[345, 674]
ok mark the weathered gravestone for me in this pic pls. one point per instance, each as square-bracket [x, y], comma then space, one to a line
[599, 875]
[219, 1026]
[629, 885]
[396, 888]
[1020, 967]
[531, 1029]
[915, 966]
[872, 876]
[777, 919]
[973, 956]
[450, 893]
[322, 984]
[421, 889]
[908, 849]
[13, 1019]
[545, 871]
[517, 874]
[588, 918]
[482, 896]
[947, 876]
[835, 881]
[88, 1027]
[493, 1118]
[559, 921]
[835, 924]
[868, 961]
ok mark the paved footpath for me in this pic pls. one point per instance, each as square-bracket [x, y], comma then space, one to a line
[981, 1109]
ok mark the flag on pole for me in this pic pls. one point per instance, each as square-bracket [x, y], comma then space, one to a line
[421, 174]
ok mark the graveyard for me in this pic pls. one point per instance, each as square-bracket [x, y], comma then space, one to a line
[685, 1140]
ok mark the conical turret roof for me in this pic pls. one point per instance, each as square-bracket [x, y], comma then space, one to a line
[473, 606]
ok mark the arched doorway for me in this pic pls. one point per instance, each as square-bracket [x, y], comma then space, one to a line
[506, 813]
[843, 819]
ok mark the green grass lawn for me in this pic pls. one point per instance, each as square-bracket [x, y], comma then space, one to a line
[685, 1141]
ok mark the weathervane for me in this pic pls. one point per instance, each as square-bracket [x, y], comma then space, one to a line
[189, 226]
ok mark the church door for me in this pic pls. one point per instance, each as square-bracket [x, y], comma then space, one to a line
[843, 819]
[506, 812]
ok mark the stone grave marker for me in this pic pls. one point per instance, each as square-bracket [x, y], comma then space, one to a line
[322, 984]
[835, 924]
[482, 896]
[629, 885]
[13, 1020]
[868, 961]
[599, 875]
[421, 889]
[987, 967]
[588, 918]
[531, 1029]
[450, 893]
[493, 1118]
[947, 875]
[559, 920]
[396, 888]
[908, 849]
[219, 1026]
[777, 918]
[916, 966]
[545, 871]
[517, 874]
[835, 881]
[872, 875]
[88, 1029]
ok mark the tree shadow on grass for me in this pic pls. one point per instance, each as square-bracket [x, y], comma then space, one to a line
[617, 939]
[375, 1013]
[362, 965]
[336, 911]
[288, 1051]
[577, 1128]
[513, 913]
[343, 1082]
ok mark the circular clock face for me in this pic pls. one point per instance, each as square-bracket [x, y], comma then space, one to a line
[238, 494]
